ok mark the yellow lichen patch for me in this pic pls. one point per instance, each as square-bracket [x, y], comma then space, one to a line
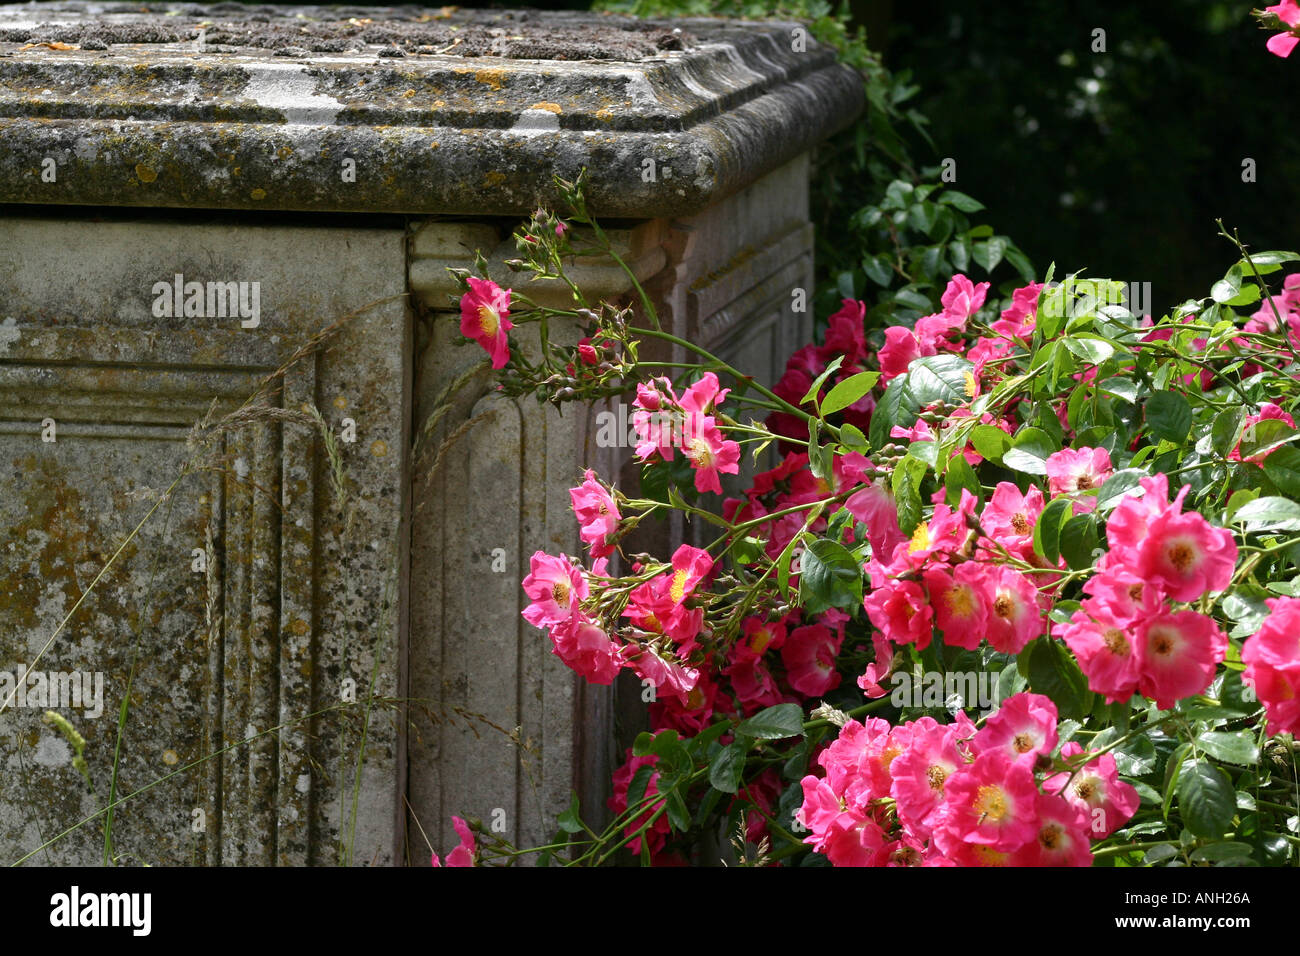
[441, 14]
[258, 194]
[284, 152]
[493, 178]
[379, 449]
[604, 114]
[409, 93]
[146, 174]
[341, 402]
[549, 107]
[170, 758]
[491, 78]
[299, 627]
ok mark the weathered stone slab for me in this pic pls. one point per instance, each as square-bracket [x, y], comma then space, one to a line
[216, 107]
[304, 592]
[363, 589]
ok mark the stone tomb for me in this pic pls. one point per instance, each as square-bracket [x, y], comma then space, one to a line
[224, 325]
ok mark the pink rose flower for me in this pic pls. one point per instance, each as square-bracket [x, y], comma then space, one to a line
[1016, 616]
[556, 586]
[464, 854]
[1272, 658]
[710, 453]
[1106, 801]
[919, 774]
[485, 318]
[992, 802]
[809, 656]
[1023, 727]
[1077, 473]
[1186, 555]
[875, 507]
[959, 599]
[902, 611]
[1179, 652]
[597, 514]
[1281, 44]
[1061, 838]
[587, 650]
[1106, 649]
[845, 335]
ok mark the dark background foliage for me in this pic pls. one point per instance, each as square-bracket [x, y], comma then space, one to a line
[1117, 161]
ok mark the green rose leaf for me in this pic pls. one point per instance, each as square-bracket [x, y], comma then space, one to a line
[847, 392]
[774, 723]
[727, 768]
[829, 576]
[1169, 416]
[1206, 800]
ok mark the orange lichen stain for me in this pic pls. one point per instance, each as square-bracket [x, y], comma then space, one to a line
[549, 107]
[258, 194]
[146, 174]
[491, 78]
[51, 541]
[53, 46]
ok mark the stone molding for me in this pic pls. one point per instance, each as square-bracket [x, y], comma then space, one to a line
[177, 124]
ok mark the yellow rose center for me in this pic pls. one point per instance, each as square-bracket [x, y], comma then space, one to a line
[677, 590]
[1051, 836]
[991, 804]
[921, 540]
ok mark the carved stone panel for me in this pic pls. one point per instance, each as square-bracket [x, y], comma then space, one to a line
[235, 592]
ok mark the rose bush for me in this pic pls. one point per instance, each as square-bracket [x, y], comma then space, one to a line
[1092, 513]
